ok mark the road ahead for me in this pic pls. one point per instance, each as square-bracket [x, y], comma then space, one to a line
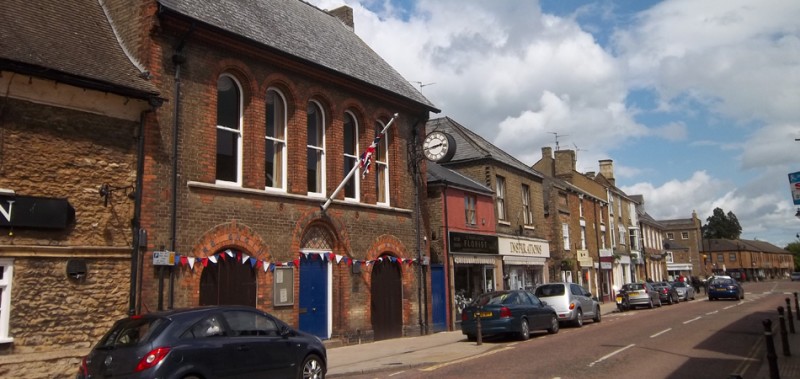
[696, 339]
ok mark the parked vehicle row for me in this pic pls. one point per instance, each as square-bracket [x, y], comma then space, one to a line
[515, 312]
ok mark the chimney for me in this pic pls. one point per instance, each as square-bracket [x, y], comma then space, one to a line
[607, 170]
[589, 174]
[345, 15]
[565, 162]
[547, 152]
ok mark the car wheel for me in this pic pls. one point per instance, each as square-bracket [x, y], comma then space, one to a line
[553, 329]
[710, 298]
[659, 302]
[524, 331]
[597, 315]
[312, 368]
[579, 319]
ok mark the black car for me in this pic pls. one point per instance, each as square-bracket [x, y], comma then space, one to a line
[205, 342]
[667, 293]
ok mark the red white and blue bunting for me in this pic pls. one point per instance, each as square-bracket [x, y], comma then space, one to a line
[267, 266]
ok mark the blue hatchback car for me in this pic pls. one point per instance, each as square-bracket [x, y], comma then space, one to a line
[725, 288]
[515, 313]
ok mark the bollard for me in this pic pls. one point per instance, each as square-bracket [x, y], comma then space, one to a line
[796, 307]
[772, 357]
[789, 315]
[478, 321]
[784, 334]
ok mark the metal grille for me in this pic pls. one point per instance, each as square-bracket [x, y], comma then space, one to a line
[318, 238]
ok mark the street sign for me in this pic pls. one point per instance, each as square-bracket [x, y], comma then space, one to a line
[794, 182]
[163, 258]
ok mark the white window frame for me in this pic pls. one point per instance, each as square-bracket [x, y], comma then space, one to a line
[239, 133]
[6, 264]
[382, 165]
[583, 237]
[354, 157]
[684, 235]
[527, 215]
[670, 235]
[320, 149]
[501, 198]
[281, 187]
[565, 235]
[470, 213]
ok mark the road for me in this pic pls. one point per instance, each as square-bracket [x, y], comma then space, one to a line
[695, 339]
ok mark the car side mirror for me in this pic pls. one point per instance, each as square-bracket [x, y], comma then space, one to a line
[285, 331]
[595, 298]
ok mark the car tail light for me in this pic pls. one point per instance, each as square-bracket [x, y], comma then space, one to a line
[665, 290]
[505, 312]
[464, 316]
[152, 358]
[84, 369]
[571, 306]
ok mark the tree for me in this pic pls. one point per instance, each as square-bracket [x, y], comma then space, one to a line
[794, 248]
[720, 225]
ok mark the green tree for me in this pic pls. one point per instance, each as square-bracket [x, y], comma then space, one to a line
[794, 248]
[721, 225]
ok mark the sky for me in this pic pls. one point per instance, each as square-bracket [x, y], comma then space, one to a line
[696, 102]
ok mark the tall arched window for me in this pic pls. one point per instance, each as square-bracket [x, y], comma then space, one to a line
[315, 165]
[275, 151]
[382, 165]
[350, 144]
[229, 130]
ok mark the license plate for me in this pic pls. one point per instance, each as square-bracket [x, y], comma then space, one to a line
[483, 314]
[619, 299]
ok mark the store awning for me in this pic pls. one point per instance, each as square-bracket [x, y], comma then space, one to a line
[474, 259]
[511, 259]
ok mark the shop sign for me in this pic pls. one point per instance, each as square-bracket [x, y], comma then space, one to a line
[606, 253]
[524, 247]
[473, 243]
[584, 259]
[35, 212]
[605, 265]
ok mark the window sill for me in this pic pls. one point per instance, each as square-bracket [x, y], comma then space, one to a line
[502, 222]
[6, 340]
[320, 199]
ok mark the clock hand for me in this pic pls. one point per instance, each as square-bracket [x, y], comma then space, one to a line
[437, 145]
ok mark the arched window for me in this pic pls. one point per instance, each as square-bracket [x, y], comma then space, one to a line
[275, 152]
[229, 130]
[350, 144]
[315, 165]
[382, 165]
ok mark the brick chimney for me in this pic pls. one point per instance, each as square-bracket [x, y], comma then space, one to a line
[589, 174]
[547, 152]
[607, 170]
[565, 162]
[345, 15]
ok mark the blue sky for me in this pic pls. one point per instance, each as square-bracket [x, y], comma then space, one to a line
[696, 102]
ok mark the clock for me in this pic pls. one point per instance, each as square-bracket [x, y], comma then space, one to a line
[439, 146]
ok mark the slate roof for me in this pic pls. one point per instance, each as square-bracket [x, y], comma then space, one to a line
[303, 31]
[69, 41]
[470, 146]
[439, 174]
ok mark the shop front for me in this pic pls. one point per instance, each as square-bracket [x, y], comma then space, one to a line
[588, 272]
[524, 261]
[475, 267]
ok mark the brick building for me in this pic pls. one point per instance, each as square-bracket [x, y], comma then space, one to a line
[269, 106]
[70, 126]
[682, 242]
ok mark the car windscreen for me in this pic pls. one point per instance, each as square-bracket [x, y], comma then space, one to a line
[548, 290]
[130, 331]
[633, 287]
[722, 282]
[679, 284]
[495, 298]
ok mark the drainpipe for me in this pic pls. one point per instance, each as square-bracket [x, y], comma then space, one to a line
[139, 234]
[446, 251]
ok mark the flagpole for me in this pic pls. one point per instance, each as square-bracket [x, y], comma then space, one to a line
[325, 206]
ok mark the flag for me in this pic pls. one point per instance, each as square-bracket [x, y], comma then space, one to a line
[366, 159]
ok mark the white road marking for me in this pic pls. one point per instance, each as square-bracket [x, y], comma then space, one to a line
[397, 373]
[730, 306]
[694, 319]
[660, 333]
[612, 354]
[711, 313]
[445, 364]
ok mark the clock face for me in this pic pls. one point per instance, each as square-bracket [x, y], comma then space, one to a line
[438, 146]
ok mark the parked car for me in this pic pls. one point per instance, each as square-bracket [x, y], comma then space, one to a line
[667, 293]
[572, 303]
[685, 291]
[205, 342]
[794, 276]
[642, 294]
[720, 287]
[516, 312]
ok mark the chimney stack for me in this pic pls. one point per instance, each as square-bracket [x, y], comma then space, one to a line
[547, 152]
[345, 15]
[565, 162]
[607, 170]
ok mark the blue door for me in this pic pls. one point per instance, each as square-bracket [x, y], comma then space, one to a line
[438, 298]
[314, 295]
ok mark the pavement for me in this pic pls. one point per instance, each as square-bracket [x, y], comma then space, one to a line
[445, 348]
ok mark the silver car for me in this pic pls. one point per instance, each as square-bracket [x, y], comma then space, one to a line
[572, 303]
[642, 294]
[685, 291]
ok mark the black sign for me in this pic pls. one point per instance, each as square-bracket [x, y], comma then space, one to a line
[35, 212]
[473, 243]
